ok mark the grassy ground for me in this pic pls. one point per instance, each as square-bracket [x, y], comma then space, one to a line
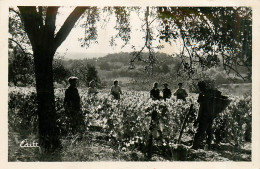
[95, 146]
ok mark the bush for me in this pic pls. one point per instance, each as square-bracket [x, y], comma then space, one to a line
[234, 125]
[126, 123]
[22, 111]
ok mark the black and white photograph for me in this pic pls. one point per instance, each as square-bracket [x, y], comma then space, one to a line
[143, 83]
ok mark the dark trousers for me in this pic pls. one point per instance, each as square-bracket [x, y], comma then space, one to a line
[76, 121]
[204, 128]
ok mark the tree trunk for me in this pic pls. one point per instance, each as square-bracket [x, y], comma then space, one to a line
[44, 44]
[48, 131]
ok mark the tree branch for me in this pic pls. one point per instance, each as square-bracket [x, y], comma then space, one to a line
[23, 50]
[30, 20]
[40, 15]
[11, 9]
[68, 25]
[50, 21]
[237, 73]
[230, 67]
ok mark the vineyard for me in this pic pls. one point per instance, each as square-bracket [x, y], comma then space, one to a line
[119, 130]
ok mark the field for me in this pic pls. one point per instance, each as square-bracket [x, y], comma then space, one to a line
[119, 130]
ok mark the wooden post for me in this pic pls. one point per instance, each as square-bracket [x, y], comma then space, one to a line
[184, 123]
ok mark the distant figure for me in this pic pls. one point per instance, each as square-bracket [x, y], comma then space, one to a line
[72, 105]
[72, 99]
[181, 93]
[166, 92]
[155, 92]
[116, 90]
[92, 90]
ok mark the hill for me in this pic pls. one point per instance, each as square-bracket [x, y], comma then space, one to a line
[116, 66]
[80, 55]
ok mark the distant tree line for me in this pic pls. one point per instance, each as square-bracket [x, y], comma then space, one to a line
[21, 70]
[104, 69]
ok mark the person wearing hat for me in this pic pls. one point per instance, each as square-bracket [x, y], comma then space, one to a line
[116, 90]
[181, 93]
[166, 92]
[92, 88]
[72, 105]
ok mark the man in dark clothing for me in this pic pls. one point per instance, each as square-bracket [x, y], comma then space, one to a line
[72, 99]
[181, 93]
[212, 102]
[205, 117]
[155, 92]
[166, 92]
[72, 106]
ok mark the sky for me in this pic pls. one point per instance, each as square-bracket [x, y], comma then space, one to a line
[72, 44]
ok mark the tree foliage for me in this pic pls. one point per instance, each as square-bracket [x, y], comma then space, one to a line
[60, 72]
[20, 68]
[207, 36]
[210, 35]
[92, 74]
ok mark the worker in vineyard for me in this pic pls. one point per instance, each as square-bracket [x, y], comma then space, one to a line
[116, 90]
[204, 120]
[181, 93]
[92, 90]
[72, 106]
[166, 92]
[155, 92]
